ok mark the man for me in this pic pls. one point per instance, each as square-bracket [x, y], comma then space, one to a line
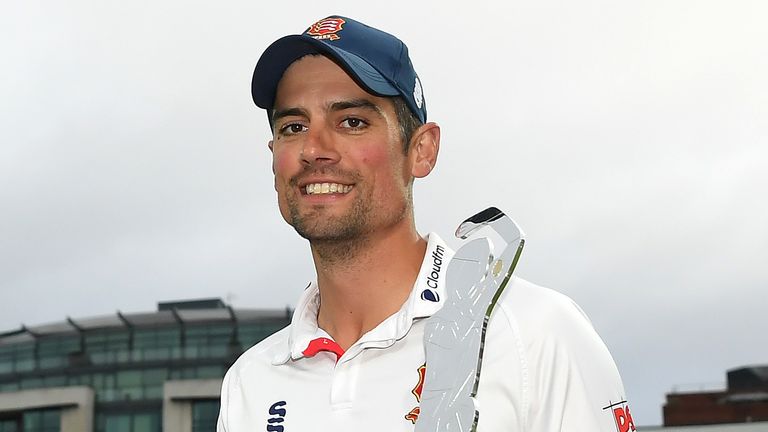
[349, 136]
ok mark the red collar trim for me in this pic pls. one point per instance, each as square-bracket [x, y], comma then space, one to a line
[323, 344]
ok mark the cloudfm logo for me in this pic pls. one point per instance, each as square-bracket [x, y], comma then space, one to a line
[430, 294]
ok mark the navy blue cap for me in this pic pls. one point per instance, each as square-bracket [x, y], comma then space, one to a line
[376, 60]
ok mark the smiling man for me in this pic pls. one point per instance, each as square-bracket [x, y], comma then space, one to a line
[350, 135]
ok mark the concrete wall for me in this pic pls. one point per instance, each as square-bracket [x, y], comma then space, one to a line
[76, 405]
[178, 397]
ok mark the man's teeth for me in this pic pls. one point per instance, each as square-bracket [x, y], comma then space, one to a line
[325, 188]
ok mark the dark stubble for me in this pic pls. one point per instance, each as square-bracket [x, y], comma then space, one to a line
[339, 237]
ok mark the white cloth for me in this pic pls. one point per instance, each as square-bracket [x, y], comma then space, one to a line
[544, 369]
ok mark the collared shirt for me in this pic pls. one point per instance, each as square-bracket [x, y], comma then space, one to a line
[544, 368]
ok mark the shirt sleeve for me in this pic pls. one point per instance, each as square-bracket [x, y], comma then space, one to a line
[222, 422]
[574, 382]
[545, 369]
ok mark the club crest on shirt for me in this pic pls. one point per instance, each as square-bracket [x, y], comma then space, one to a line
[621, 416]
[413, 415]
[326, 28]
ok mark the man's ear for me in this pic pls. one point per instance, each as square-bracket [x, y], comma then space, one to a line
[423, 149]
[272, 150]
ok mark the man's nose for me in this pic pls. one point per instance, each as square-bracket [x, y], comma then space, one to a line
[319, 147]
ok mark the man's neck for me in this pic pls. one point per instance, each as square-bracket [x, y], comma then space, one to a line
[362, 282]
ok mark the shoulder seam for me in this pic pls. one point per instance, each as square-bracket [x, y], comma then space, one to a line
[522, 358]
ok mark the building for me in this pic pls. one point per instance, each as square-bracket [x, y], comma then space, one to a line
[735, 427]
[744, 400]
[142, 372]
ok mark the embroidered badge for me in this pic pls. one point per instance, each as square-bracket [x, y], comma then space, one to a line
[414, 414]
[418, 95]
[326, 29]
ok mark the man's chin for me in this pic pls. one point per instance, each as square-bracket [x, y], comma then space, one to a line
[324, 225]
[327, 234]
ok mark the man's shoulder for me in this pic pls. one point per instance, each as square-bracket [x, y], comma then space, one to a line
[533, 305]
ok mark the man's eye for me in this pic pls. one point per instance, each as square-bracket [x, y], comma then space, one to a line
[292, 128]
[353, 123]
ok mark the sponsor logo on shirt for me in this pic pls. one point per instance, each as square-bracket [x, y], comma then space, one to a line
[278, 416]
[413, 415]
[621, 416]
[433, 276]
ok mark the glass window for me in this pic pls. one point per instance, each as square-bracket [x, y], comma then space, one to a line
[31, 383]
[152, 381]
[149, 354]
[24, 364]
[201, 335]
[155, 344]
[184, 373]
[32, 420]
[17, 357]
[104, 384]
[107, 340]
[41, 421]
[97, 380]
[209, 372]
[52, 362]
[204, 415]
[58, 345]
[6, 365]
[107, 395]
[148, 422]
[129, 378]
[10, 425]
[8, 387]
[117, 423]
[155, 338]
[53, 352]
[24, 357]
[250, 334]
[55, 381]
[129, 384]
[154, 376]
[130, 422]
[208, 341]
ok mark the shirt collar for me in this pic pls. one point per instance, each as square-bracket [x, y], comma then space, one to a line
[426, 298]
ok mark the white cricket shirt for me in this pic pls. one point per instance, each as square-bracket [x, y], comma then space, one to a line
[544, 368]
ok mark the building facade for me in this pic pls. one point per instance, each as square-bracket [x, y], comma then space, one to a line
[141, 372]
[745, 400]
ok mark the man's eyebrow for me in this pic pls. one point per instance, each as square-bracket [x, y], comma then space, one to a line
[280, 113]
[356, 103]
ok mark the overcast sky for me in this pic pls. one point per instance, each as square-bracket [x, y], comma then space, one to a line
[628, 139]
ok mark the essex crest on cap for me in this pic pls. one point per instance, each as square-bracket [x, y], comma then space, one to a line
[326, 28]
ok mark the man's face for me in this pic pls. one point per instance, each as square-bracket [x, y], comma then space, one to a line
[340, 171]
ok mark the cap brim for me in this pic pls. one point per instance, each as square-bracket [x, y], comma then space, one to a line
[283, 52]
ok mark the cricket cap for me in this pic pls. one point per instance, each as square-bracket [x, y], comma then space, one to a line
[376, 60]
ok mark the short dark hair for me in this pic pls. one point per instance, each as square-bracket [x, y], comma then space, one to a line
[407, 121]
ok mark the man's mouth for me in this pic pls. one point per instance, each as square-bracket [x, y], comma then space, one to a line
[326, 188]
